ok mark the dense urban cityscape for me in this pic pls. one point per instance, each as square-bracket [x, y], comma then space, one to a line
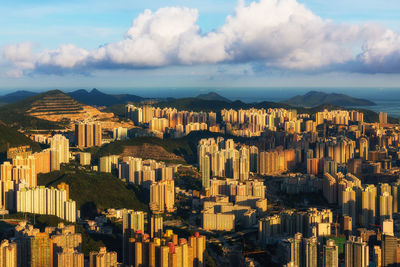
[201, 133]
[262, 187]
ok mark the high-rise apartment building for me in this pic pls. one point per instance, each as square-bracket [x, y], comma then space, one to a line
[310, 252]
[84, 158]
[330, 188]
[253, 159]
[120, 133]
[88, 134]
[330, 254]
[162, 196]
[103, 258]
[70, 258]
[42, 160]
[383, 117]
[66, 243]
[377, 257]
[389, 250]
[296, 249]
[22, 170]
[368, 205]
[108, 163]
[222, 159]
[356, 252]
[132, 221]
[385, 206]
[205, 172]
[59, 151]
[169, 250]
[46, 201]
[349, 203]
[156, 226]
[8, 254]
[363, 148]
[41, 247]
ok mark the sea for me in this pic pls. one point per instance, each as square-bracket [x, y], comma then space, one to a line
[392, 107]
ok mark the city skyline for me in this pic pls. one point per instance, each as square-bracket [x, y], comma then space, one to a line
[307, 45]
[200, 133]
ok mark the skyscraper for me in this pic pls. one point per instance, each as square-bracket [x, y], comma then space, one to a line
[363, 143]
[310, 250]
[385, 206]
[156, 226]
[330, 254]
[389, 250]
[368, 205]
[253, 159]
[8, 254]
[356, 252]
[103, 258]
[41, 250]
[382, 117]
[70, 258]
[205, 173]
[59, 151]
[88, 134]
[108, 163]
[349, 203]
[132, 221]
[61, 144]
[162, 196]
[84, 158]
[296, 250]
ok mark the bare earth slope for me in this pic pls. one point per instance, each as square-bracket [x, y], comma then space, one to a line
[148, 151]
[58, 106]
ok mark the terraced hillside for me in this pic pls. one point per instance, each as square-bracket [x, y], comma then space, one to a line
[50, 110]
[55, 103]
[57, 106]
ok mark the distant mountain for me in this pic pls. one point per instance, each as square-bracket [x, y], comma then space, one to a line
[16, 96]
[213, 96]
[314, 98]
[97, 98]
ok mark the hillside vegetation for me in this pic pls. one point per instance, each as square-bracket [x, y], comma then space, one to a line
[97, 98]
[11, 138]
[95, 191]
[314, 98]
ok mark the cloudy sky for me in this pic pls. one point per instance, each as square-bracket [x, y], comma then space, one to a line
[180, 43]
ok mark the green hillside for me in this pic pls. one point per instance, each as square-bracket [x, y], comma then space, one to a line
[94, 191]
[11, 138]
[314, 98]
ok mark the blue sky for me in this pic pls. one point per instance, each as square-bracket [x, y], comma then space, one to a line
[87, 25]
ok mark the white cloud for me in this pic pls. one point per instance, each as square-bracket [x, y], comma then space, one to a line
[382, 54]
[20, 54]
[275, 33]
[16, 73]
[66, 56]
